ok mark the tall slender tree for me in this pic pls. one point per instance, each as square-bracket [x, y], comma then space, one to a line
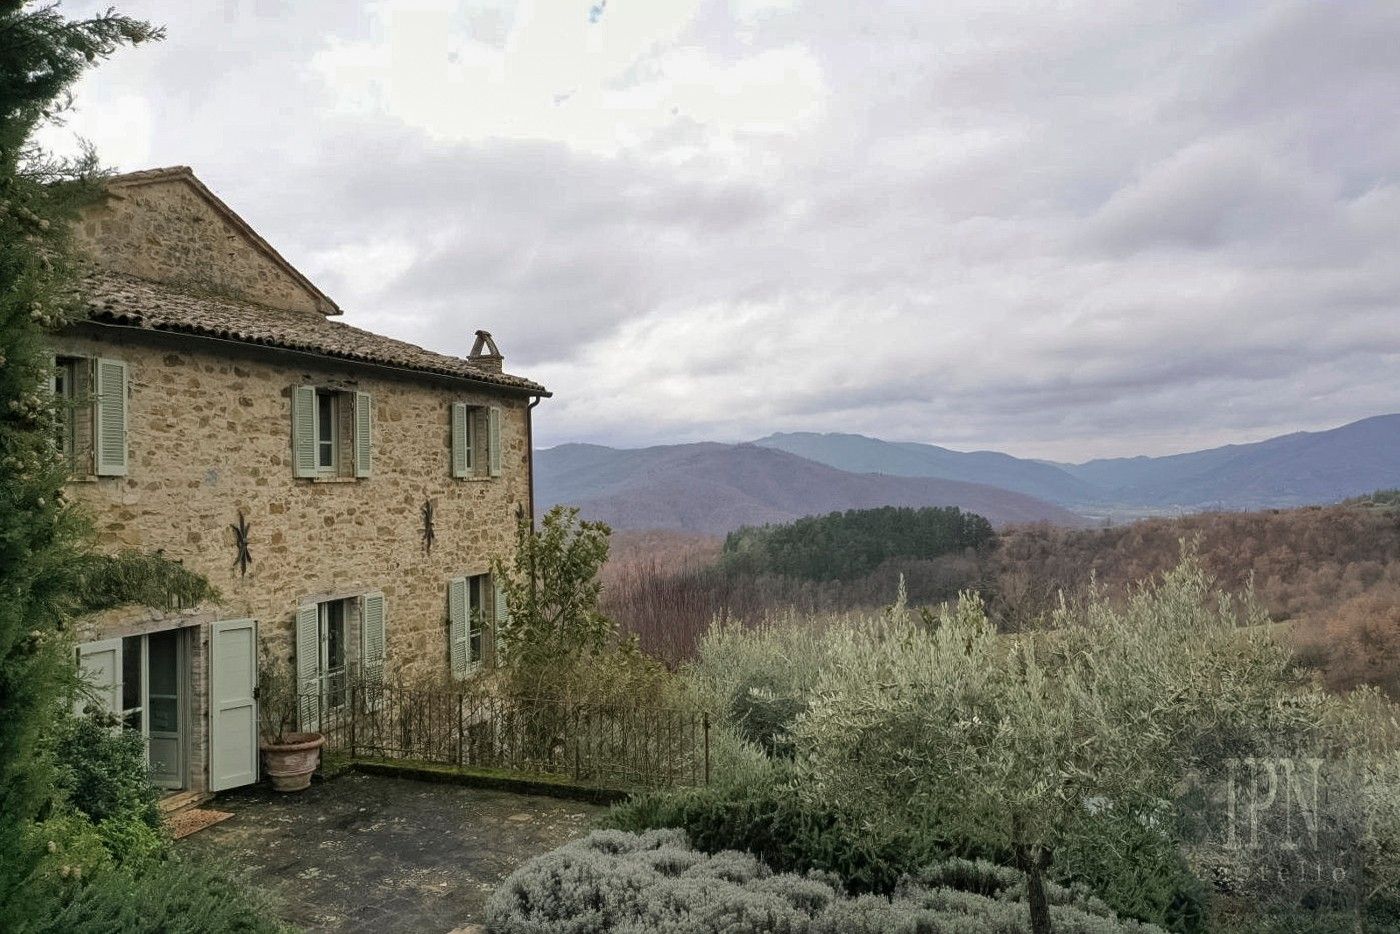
[43, 540]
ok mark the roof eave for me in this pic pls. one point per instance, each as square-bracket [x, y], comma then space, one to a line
[128, 322]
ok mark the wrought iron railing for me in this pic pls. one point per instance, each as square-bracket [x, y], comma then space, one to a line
[607, 745]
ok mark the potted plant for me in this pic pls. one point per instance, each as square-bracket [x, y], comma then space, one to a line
[289, 757]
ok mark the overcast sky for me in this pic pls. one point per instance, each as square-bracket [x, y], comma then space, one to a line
[1060, 230]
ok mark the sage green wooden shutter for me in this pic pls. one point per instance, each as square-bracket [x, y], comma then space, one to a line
[493, 439]
[233, 709]
[461, 440]
[110, 413]
[304, 431]
[364, 424]
[372, 637]
[100, 666]
[309, 666]
[501, 613]
[457, 625]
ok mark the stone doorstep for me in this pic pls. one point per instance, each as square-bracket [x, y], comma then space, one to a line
[182, 800]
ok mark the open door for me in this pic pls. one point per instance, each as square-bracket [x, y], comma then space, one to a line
[164, 705]
[100, 665]
[233, 708]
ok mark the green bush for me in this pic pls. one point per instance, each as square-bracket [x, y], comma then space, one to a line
[71, 847]
[162, 897]
[101, 772]
[1134, 868]
[771, 821]
[655, 883]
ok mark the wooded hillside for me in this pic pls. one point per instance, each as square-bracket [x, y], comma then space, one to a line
[1330, 575]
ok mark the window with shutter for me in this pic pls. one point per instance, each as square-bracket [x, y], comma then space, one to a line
[308, 665]
[364, 425]
[71, 381]
[110, 418]
[372, 637]
[493, 439]
[305, 414]
[461, 440]
[501, 612]
[457, 625]
[476, 618]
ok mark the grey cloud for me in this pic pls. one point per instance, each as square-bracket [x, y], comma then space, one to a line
[1071, 231]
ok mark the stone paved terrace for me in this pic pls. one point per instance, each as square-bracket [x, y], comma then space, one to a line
[371, 853]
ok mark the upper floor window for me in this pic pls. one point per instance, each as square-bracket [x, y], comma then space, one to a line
[327, 430]
[332, 432]
[476, 440]
[65, 380]
[91, 424]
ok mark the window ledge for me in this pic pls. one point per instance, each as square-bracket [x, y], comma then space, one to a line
[333, 479]
[476, 479]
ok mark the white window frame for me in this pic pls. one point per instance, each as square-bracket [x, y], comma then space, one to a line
[476, 619]
[334, 699]
[333, 396]
[62, 384]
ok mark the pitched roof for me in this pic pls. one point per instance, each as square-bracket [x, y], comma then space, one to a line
[185, 174]
[116, 298]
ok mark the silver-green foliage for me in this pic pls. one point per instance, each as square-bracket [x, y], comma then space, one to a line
[654, 883]
[972, 727]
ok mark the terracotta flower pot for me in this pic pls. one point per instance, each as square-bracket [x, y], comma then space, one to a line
[290, 763]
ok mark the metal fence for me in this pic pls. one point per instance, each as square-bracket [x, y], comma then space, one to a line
[602, 745]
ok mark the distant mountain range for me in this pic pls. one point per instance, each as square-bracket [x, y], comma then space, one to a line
[714, 488]
[1291, 470]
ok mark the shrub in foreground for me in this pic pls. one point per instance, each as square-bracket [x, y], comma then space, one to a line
[156, 897]
[1142, 875]
[654, 882]
[772, 822]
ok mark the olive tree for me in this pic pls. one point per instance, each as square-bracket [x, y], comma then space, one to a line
[1007, 741]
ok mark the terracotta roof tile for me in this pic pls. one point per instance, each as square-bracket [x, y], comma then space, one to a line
[127, 300]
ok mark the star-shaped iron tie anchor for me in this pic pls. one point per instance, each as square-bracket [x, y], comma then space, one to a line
[240, 536]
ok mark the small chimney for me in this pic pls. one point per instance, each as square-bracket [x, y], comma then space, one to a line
[484, 354]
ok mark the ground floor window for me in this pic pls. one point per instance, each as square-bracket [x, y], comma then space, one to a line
[338, 642]
[468, 605]
[333, 637]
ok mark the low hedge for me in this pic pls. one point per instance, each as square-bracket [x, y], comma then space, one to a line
[772, 823]
[655, 883]
[1140, 875]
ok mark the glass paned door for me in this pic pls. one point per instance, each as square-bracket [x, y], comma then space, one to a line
[163, 708]
[134, 683]
[152, 675]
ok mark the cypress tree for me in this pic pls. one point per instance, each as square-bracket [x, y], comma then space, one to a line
[43, 540]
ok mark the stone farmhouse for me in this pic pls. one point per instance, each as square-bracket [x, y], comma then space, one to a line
[346, 493]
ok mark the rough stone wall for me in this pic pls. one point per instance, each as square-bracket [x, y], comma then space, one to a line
[209, 434]
[167, 231]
